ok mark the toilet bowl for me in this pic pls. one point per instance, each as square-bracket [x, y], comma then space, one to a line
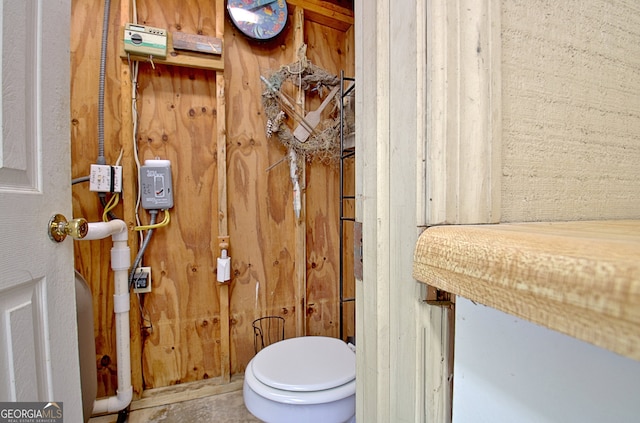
[307, 379]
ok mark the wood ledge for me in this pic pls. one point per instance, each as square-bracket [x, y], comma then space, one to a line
[579, 278]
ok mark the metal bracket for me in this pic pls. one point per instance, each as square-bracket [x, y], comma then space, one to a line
[357, 250]
[437, 297]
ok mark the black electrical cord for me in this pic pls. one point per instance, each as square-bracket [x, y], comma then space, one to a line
[123, 415]
[80, 179]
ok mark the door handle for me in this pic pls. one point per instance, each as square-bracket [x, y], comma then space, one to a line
[59, 228]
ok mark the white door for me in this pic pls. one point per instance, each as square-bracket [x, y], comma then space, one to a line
[38, 341]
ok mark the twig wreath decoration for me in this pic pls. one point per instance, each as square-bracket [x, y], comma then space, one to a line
[319, 142]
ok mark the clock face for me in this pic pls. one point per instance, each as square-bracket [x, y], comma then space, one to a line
[258, 19]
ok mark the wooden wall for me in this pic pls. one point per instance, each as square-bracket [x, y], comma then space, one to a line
[179, 339]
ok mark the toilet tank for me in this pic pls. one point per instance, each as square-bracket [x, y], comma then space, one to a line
[86, 345]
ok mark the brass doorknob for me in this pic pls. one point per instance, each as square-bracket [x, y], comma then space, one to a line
[59, 228]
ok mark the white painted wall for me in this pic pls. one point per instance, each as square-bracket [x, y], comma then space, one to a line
[510, 370]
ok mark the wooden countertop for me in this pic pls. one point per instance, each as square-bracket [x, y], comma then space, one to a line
[579, 278]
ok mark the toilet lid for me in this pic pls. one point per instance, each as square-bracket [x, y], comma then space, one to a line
[310, 363]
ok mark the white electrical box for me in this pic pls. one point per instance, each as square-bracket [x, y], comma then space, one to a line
[105, 178]
[156, 192]
[144, 40]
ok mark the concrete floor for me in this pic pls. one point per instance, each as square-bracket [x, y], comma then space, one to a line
[227, 407]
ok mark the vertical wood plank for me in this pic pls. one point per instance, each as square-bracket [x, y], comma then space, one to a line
[223, 229]
[301, 226]
[395, 370]
[177, 121]
[435, 365]
[372, 303]
[261, 220]
[93, 258]
[464, 140]
[129, 199]
[329, 50]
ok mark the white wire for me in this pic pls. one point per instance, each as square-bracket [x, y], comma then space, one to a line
[134, 114]
[135, 11]
[133, 66]
[119, 157]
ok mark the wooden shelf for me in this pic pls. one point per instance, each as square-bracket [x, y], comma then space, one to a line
[579, 278]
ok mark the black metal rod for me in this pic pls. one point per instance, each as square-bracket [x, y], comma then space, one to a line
[344, 155]
[347, 155]
[341, 276]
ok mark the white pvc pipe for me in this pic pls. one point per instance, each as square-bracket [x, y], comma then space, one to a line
[120, 263]
[100, 230]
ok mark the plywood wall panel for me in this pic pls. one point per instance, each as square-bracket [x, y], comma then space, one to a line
[190, 16]
[326, 47]
[261, 219]
[323, 253]
[177, 121]
[92, 257]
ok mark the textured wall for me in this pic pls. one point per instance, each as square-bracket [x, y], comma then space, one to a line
[571, 109]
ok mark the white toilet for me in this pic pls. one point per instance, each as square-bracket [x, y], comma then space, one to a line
[307, 379]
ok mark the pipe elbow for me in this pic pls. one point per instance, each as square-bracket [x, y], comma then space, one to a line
[113, 404]
[114, 228]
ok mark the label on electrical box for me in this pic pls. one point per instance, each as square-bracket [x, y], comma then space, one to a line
[105, 178]
[145, 40]
[156, 192]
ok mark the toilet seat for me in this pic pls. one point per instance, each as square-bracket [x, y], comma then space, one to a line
[305, 370]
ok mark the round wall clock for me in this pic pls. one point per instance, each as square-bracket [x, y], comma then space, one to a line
[258, 19]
